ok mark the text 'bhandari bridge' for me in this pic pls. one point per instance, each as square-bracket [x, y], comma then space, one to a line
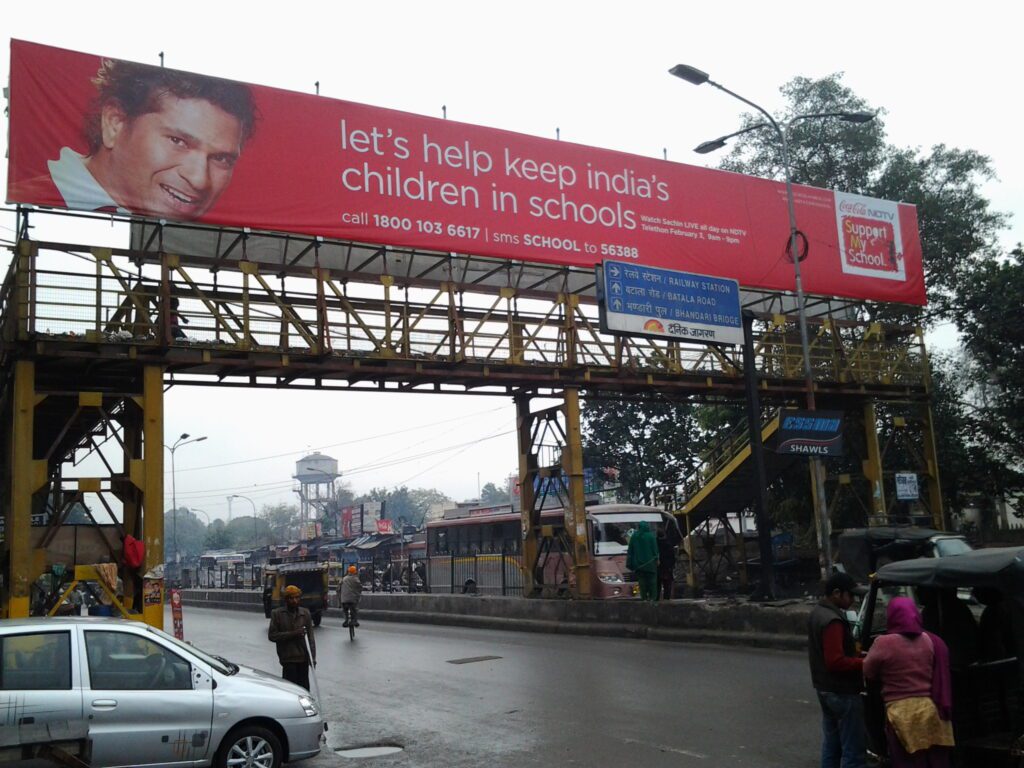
[90, 342]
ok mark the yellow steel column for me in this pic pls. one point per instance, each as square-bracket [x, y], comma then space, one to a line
[24, 294]
[247, 268]
[527, 474]
[387, 349]
[576, 512]
[153, 481]
[822, 523]
[931, 458]
[27, 476]
[129, 494]
[872, 466]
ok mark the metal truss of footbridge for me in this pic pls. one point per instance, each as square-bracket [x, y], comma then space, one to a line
[92, 335]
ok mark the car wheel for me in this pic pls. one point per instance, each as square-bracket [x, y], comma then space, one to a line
[317, 617]
[250, 745]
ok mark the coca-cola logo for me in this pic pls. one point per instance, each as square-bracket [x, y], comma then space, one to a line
[858, 209]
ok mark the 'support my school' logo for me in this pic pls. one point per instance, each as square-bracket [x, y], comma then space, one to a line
[869, 237]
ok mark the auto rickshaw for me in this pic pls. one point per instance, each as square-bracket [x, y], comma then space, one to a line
[309, 575]
[988, 695]
[863, 550]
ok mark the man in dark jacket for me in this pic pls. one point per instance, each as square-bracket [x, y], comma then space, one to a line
[349, 592]
[291, 626]
[836, 672]
[642, 559]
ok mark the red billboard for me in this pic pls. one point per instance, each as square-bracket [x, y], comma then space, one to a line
[91, 133]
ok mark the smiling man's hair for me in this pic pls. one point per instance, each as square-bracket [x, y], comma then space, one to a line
[138, 89]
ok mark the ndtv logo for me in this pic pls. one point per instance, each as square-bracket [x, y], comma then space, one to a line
[861, 209]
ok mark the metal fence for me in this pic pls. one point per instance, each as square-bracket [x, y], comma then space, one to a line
[499, 574]
[493, 574]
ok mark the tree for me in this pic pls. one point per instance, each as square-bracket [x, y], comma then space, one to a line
[403, 503]
[247, 532]
[990, 295]
[423, 499]
[399, 505]
[217, 536]
[956, 222]
[186, 531]
[492, 495]
[282, 522]
[974, 467]
[959, 233]
[650, 442]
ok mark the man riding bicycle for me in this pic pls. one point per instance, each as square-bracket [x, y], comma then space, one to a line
[348, 594]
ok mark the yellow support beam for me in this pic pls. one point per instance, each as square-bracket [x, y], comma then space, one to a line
[27, 476]
[931, 458]
[153, 480]
[527, 473]
[576, 513]
[873, 463]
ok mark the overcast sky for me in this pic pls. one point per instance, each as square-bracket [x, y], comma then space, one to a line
[598, 72]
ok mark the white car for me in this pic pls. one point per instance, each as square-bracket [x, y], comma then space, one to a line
[151, 700]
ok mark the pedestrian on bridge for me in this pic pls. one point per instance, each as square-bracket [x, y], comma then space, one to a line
[291, 626]
[642, 559]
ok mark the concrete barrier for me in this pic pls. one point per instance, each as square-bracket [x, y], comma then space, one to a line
[780, 625]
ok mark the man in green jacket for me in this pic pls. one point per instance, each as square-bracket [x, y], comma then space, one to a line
[642, 559]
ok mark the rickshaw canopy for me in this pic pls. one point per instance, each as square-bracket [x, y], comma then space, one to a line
[1000, 568]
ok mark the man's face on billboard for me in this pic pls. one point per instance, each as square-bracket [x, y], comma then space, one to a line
[172, 163]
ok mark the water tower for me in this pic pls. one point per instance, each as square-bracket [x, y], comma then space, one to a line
[318, 495]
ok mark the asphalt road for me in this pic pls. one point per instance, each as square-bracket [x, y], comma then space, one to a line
[548, 700]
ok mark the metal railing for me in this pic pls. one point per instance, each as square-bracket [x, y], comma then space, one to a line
[100, 297]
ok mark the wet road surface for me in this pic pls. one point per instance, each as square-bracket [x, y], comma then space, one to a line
[546, 700]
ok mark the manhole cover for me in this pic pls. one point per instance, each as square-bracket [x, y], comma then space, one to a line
[369, 751]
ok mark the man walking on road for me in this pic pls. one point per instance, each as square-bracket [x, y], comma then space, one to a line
[837, 675]
[642, 559]
[291, 626]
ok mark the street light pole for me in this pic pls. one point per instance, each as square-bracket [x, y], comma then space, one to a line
[183, 440]
[697, 77]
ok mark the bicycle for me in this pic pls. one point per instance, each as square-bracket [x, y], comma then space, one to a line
[350, 619]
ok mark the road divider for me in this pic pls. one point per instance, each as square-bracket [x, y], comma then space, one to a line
[780, 625]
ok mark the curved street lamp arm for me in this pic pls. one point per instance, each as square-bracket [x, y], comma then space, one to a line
[850, 117]
[767, 115]
[710, 146]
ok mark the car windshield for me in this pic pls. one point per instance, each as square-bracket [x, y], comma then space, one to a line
[219, 663]
[950, 547]
[612, 532]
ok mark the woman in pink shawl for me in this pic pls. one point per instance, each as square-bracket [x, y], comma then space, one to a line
[913, 668]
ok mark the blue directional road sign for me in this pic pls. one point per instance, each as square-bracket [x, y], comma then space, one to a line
[646, 301]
